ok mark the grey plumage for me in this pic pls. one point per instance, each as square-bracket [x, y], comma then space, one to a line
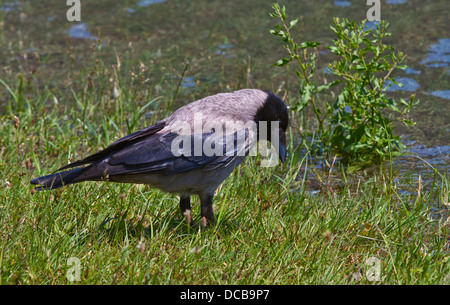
[147, 156]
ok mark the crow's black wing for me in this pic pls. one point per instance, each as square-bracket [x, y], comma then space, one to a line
[172, 153]
[122, 143]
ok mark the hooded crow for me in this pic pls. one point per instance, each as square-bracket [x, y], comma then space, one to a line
[191, 152]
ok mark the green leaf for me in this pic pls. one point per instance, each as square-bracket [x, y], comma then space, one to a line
[363, 65]
[299, 74]
[293, 23]
[409, 122]
[305, 93]
[309, 44]
[283, 13]
[282, 62]
[334, 50]
[273, 32]
[328, 86]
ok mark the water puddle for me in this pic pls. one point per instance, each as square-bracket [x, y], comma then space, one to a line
[342, 3]
[327, 70]
[440, 153]
[421, 168]
[404, 83]
[80, 31]
[144, 3]
[441, 93]
[371, 25]
[188, 82]
[9, 6]
[408, 84]
[409, 70]
[417, 166]
[438, 55]
[222, 50]
[395, 1]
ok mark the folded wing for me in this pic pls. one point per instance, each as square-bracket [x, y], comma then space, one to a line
[149, 152]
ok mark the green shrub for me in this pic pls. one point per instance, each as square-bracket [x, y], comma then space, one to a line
[357, 127]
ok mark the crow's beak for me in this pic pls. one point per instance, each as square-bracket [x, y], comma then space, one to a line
[282, 146]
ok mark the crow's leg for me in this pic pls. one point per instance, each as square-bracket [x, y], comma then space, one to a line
[206, 209]
[185, 206]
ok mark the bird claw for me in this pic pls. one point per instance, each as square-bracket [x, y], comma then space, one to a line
[187, 214]
[204, 222]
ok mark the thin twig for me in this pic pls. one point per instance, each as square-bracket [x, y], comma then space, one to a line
[329, 175]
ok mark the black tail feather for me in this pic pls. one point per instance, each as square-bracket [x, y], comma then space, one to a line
[57, 180]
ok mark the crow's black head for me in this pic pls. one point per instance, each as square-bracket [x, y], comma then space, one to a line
[275, 110]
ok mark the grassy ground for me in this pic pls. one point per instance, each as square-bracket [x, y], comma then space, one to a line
[294, 224]
[271, 229]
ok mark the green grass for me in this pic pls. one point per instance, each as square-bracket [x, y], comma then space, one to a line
[271, 229]
[58, 104]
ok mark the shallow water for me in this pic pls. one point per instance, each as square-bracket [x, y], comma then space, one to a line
[395, 1]
[342, 3]
[80, 31]
[442, 94]
[188, 82]
[9, 6]
[438, 54]
[145, 3]
[404, 84]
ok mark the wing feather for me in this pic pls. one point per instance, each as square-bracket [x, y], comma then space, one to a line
[156, 155]
[118, 145]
